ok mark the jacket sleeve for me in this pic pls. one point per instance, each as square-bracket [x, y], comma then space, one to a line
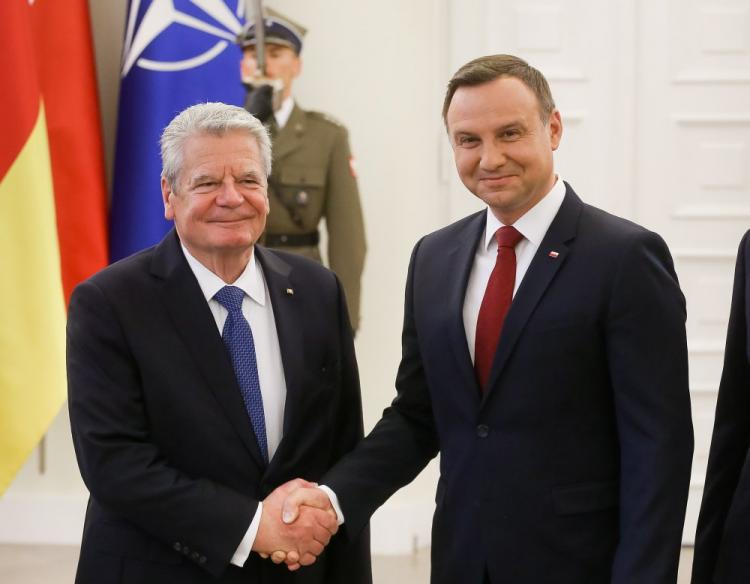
[344, 222]
[121, 466]
[731, 434]
[348, 557]
[401, 443]
[647, 355]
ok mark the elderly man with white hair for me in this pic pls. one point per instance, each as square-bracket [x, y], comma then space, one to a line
[204, 374]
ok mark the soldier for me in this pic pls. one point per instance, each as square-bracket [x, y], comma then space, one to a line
[313, 169]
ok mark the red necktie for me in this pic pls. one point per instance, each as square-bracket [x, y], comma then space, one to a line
[496, 302]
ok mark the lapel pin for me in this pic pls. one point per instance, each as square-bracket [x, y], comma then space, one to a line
[553, 254]
[290, 291]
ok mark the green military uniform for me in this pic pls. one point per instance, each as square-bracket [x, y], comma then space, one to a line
[312, 179]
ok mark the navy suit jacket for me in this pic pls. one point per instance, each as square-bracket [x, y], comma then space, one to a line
[574, 466]
[722, 555]
[160, 430]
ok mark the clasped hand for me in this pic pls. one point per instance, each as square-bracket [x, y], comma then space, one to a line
[296, 524]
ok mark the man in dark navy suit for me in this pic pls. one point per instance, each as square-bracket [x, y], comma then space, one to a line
[544, 358]
[721, 543]
[204, 374]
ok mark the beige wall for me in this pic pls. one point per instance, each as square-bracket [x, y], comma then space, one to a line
[378, 66]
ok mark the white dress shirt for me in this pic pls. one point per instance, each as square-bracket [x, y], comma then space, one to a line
[257, 310]
[284, 111]
[533, 225]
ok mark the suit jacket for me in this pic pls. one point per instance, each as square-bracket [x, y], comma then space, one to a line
[574, 466]
[313, 179]
[721, 543]
[160, 429]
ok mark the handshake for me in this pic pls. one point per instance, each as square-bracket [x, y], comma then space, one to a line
[296, 524]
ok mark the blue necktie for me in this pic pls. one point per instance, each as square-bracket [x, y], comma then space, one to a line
[238, 339]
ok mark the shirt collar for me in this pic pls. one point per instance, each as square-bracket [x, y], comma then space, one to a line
[250, 280]
[284, 111]
[533, 224]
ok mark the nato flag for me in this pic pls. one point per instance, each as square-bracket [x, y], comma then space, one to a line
[176, 53]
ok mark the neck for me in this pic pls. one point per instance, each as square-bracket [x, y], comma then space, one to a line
[227, 265]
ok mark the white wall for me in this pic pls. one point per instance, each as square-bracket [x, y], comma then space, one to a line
[378, 66]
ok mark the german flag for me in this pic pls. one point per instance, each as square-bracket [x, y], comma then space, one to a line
[52, 208]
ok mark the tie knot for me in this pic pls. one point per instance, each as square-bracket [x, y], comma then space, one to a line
[507, 237]
[230, 297]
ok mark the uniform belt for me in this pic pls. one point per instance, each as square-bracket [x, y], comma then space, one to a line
[292, 239]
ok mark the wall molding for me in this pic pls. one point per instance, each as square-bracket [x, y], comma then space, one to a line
[396, 528]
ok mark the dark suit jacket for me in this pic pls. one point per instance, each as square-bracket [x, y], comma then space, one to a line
[160, 430]
[574, 467]
[722, 543]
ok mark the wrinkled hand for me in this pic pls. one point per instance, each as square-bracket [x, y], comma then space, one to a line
[299, 541]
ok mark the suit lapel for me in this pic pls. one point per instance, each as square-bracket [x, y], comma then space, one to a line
[286, 312]
[192, 318]
[290, 137]
[540, 274]
[462, 256]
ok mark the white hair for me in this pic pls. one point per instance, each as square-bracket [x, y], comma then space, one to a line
[208, 118]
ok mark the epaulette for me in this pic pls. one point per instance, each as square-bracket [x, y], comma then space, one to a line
[325, 117]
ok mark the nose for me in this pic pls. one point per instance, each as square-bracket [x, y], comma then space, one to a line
[229, 195]
[493, 156]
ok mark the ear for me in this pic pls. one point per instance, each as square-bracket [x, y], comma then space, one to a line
[166, 197]
[297, 66]
[555, 128]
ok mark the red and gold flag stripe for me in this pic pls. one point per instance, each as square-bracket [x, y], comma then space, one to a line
[52, 208]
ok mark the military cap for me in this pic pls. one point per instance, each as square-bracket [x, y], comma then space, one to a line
[279, 30]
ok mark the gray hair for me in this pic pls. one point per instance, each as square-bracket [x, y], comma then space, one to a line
[208, 118]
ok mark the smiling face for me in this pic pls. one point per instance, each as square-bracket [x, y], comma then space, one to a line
[220, 201]
[501, 146]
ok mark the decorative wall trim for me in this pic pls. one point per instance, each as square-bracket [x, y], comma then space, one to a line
[711, 119]
[397, 528]
[713, 212]
[704, 254]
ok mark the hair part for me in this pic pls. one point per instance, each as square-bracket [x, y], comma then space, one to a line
[212, 118]
[491, 67]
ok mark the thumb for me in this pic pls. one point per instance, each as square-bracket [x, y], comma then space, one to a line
[311, 497]
[290, 508]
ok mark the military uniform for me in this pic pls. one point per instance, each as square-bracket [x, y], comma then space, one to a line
[312, 176]
[312, 179]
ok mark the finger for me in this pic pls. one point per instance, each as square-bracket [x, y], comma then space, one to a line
[263, 555]
[292, 557]
[326, 520]
[314, 547]
[293, 567]
[321, 535]
[278, 557]
[307, 559]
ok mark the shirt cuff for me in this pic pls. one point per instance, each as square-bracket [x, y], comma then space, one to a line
[334, 503]
[246, 545]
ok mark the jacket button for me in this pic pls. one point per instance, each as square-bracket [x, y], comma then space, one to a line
[194, 556]
[483, 430]
[202, 560]
[177, 546]
[185, 550]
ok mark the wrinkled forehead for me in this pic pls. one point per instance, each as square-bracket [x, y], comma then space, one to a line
[231, 149]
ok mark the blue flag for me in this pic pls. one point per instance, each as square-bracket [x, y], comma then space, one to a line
[176, 53]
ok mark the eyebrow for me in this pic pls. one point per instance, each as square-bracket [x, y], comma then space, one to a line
[201, 178]
[252, 175]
